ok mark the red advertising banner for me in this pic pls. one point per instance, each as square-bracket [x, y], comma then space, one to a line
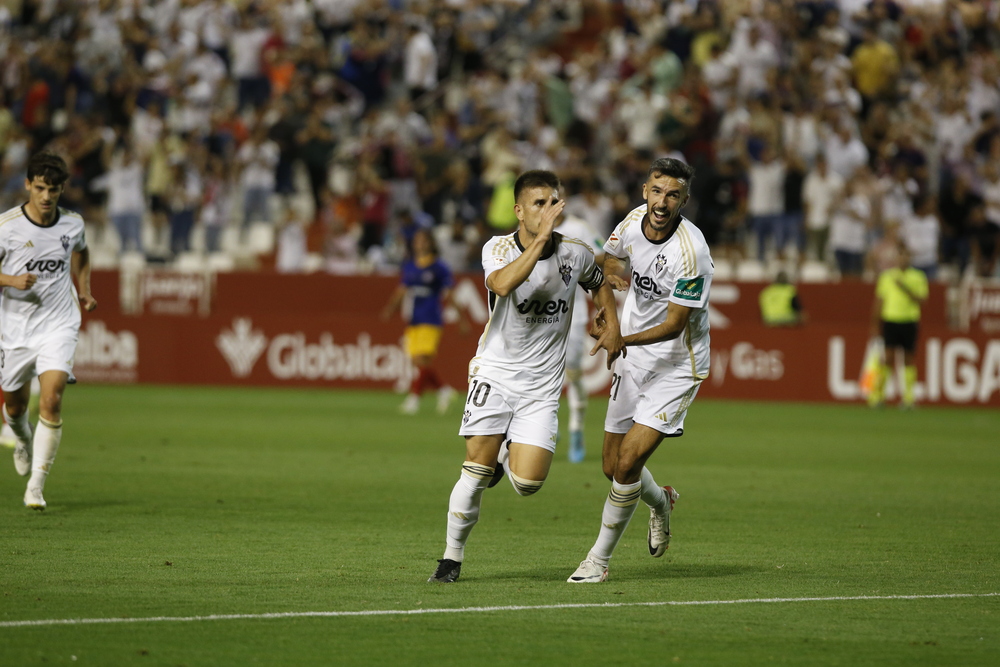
[320, 330]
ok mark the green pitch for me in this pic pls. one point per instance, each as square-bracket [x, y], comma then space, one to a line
[183, 502]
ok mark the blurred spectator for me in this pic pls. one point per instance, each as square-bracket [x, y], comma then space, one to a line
[217, 204]
[821, 195]
[126, 196]
[246, 45]
[258, 157]
[849, 229]
[922, 235]
[722, 202]
[420, 64]
[291, 243]
[766, 200]
[956, 204]
[984, 243]
[185, 199]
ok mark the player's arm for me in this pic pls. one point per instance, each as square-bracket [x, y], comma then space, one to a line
[616, 272]
[606, 327]
[81, 271]
[916, 297]
[395, 301]
[23, 281]
[669, 329]
[505, 280]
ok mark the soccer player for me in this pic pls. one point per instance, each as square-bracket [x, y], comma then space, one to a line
[664, 262]
[42, 248]
[899, 293]
[427, 281]
[571, 226]
[511, 411]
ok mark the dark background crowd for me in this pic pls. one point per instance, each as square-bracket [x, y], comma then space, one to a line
[317, 135]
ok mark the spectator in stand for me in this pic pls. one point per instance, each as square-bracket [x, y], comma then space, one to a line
[258, 158]
[420, 64]
[316, 145]
[217, 205]
[126, 197]
[922, 233]
[876, 66]
[766, 199]
[245, 47]
[849, 228]
[185, 200]
[821, 194]
[984, 243]
[955, 205]
[845, 152]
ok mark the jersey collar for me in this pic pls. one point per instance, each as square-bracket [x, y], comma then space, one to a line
[550, 248]
[24, 210]
[645, 219]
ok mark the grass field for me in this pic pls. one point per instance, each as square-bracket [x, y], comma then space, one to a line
[183, 502]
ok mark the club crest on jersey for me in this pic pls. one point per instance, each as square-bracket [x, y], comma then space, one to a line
[661, 261]
[64, 239]
[566, 271]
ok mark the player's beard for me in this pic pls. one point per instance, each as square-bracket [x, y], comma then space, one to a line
[670, 219]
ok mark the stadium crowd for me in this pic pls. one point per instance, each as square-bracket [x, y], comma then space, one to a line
[822, 131]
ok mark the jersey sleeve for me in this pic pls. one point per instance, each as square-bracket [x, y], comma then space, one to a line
[493, 258]
[81, 242]
[591, 277]
[614, 245]
[445, 277]
[694, 279]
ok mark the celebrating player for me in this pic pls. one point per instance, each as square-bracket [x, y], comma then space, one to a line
[511, 411]
[665, 329]
[42, 248]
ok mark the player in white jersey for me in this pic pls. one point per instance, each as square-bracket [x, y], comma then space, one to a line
[577, 342]
[42, 248]
[511, 411]
[664, 262]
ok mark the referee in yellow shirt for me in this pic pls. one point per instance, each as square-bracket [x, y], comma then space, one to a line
[899, 293]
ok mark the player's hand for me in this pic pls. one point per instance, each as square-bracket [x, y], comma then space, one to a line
[598, 324]
[24, 281]
[617, 283]
[549, 218]
[611, 341]
[88, 302]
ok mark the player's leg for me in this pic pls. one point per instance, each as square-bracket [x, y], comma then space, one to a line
[487, 418]
[48, 434]
[18, 371]
[533, 431]
[414, 343]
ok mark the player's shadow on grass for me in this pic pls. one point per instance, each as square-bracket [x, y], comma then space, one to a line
[643, 573]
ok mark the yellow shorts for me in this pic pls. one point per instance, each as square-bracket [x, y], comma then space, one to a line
[422, 340]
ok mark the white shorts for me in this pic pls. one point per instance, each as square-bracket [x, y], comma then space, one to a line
[656, 399]
[492, 409]
[18, 365]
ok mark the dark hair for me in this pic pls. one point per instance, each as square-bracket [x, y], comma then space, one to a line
[668, 166]
[536, 178]
[50, 167]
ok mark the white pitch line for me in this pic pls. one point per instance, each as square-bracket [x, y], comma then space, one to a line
[468, 610]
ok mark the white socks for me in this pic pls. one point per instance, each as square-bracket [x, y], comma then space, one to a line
[652, 495]
[463, 507]
[618, 511]
[21, 426]
[46, 444]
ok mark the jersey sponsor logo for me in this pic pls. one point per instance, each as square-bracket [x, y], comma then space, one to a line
[538, 308]
[45, 265]
[566, 271]
[690, 289]
[645, 286]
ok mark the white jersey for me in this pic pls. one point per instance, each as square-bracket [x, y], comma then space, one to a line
[26, 247]
[524, 344]
[679, 270]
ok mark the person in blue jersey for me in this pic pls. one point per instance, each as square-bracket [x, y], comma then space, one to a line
[424, 289]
